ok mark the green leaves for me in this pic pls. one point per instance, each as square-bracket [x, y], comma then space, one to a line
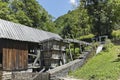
[98, 17]
[74, 24]
[27, 12]
[23, 18]
[116, 34]
[104, 14]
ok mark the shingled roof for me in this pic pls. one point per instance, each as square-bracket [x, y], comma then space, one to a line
[14, 31]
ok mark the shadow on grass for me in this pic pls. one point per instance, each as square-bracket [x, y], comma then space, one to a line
[92, 77]
[116, 60]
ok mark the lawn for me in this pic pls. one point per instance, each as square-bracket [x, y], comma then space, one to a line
[104, 66]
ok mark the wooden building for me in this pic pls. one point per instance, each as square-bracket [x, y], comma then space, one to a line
[17, 42]
[53, 52]
[13, 55]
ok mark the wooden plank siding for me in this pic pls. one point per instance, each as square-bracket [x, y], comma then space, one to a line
[15, 55]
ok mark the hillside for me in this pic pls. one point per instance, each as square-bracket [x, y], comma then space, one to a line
[104, 66]
[98, 17]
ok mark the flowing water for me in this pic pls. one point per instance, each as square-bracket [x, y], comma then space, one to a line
[99, 49]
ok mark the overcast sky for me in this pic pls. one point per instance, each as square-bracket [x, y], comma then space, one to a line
[58, 7]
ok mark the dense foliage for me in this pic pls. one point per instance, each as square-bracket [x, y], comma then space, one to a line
[27, 12]
[104, 15]
[74, 24]
[98, 17]
[116, 34]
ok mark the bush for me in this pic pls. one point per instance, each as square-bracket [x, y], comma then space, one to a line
[108, 45]
[95, 45]
[116, 34]
[86, 37]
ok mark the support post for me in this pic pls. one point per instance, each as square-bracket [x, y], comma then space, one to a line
[74, 48]
[37, 58]
[70, 52]
[80, 48]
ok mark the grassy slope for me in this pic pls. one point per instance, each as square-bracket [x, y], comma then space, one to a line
[104, 66]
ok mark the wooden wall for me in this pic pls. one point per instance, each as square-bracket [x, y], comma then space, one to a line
[15, 55]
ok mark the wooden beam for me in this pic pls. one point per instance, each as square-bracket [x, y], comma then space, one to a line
[37, 58]
[33, 55]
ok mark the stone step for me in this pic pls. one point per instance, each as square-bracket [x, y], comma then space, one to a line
[4, 75]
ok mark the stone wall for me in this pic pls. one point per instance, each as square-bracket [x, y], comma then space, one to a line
[30, 76]
[23, 76]
[64, 70]
[6, 75]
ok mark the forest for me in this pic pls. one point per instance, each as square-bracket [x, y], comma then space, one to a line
[91, 18]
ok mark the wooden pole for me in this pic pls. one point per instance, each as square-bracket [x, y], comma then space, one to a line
[38, 56]
[74, 48]
[80, 48]
[70, 52]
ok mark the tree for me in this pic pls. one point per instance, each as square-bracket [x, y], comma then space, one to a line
[76, 21]
[115, 6]
[102, 15]
[84, 19]
[6, 13]
[17, 8]
[40, 18]
[27, 12]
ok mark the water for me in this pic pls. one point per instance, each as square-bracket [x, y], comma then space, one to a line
[99, 49]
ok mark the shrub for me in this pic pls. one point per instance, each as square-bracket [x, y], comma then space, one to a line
[95, 45]
[116, 34]
[108, 45]
[86, 37]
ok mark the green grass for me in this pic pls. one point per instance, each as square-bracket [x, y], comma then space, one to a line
[104, 66]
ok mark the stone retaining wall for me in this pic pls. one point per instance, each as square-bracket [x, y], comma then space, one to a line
[30, 76]
[24, 76]
[64, 70]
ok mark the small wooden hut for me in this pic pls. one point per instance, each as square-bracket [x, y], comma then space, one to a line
[54, 52]
[17, 42]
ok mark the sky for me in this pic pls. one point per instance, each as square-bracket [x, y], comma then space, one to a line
[58, 7]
